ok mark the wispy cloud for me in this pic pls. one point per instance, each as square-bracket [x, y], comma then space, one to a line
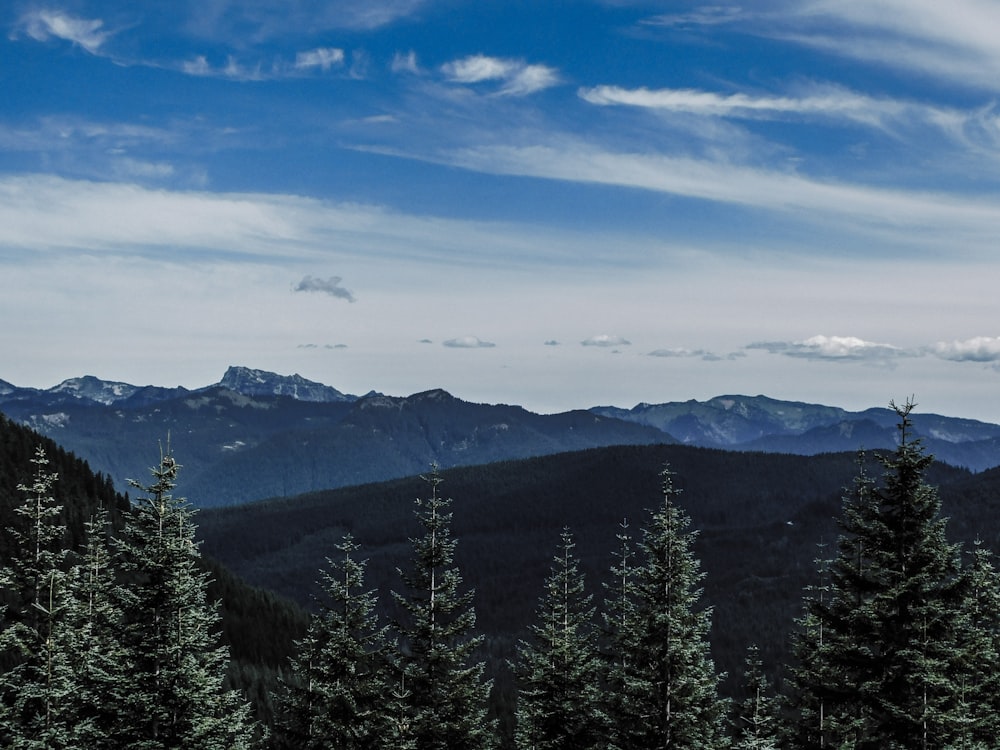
[976, 349]
[323, 58]
[330, 286]
[517, 77]
[606, 340]
[912, 215]
[954, 40]
[222, 20]
[834, 348]
[88, 33]
[405, 63]
[468, 342]
[306, 62]
[833, 102]
[709, 15]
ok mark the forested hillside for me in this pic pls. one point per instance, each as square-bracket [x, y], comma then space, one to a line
[760, 518]
[257, 626]
[744, 530]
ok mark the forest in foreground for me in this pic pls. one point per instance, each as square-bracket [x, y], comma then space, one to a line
[895, 645]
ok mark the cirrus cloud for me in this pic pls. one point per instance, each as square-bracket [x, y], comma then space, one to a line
[518, 77]
[322, 57]
[87, 32]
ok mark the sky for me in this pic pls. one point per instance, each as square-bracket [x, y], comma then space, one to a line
[553, 204]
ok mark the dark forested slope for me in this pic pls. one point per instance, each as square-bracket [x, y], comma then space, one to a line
[760, 518]
[258, 626]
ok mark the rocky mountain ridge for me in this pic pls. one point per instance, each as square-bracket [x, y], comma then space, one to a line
[257, 434]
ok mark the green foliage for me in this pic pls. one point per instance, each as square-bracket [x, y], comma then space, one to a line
[36, 640]
[173, 695]
[977, 671]
[446, 698]
[336, 692]
[756, 721]
[559, 669]
[661, 672]
[884, 643]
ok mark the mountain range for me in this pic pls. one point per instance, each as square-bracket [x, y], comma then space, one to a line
[257, 434]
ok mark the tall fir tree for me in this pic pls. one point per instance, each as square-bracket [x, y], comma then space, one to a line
[36, 643]
[174, 696]
[662, 678]
[445, 694]
[559, 670]
[100, 662]
[336, 694]
[885, 674]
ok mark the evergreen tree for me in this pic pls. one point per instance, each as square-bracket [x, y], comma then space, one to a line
[36, 645]
[336, 694]
[756, 726]
[885, 673]
[559, 670]
[978, 674]
[100, 662]
[446, 696]
[662, 677]
[173, 697]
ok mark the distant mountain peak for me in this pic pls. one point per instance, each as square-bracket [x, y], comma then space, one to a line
[435, 394]
[251, 382]
[91, 388]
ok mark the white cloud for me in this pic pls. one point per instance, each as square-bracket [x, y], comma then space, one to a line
[197, 67]
[44, 24]
[478, 68]
[606, 339]
[899, 214]
[976, 349]
[518, 78]
[41, 213]
[834, 348]
[529, 79]
[825, 101]
[954, 40]
[468, 342]
[321, 57]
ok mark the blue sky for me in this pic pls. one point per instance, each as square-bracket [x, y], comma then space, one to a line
[554, 204]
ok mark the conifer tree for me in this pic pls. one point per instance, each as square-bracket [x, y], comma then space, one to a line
[662, 677]
[756, 725]
[174, 696]
[100, 662]
[446, 696]
[978, 673]
[885, 674]
[336, 696]
[36, 646]
[559, 670]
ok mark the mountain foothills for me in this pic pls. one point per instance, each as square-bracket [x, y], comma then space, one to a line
[256, 434]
